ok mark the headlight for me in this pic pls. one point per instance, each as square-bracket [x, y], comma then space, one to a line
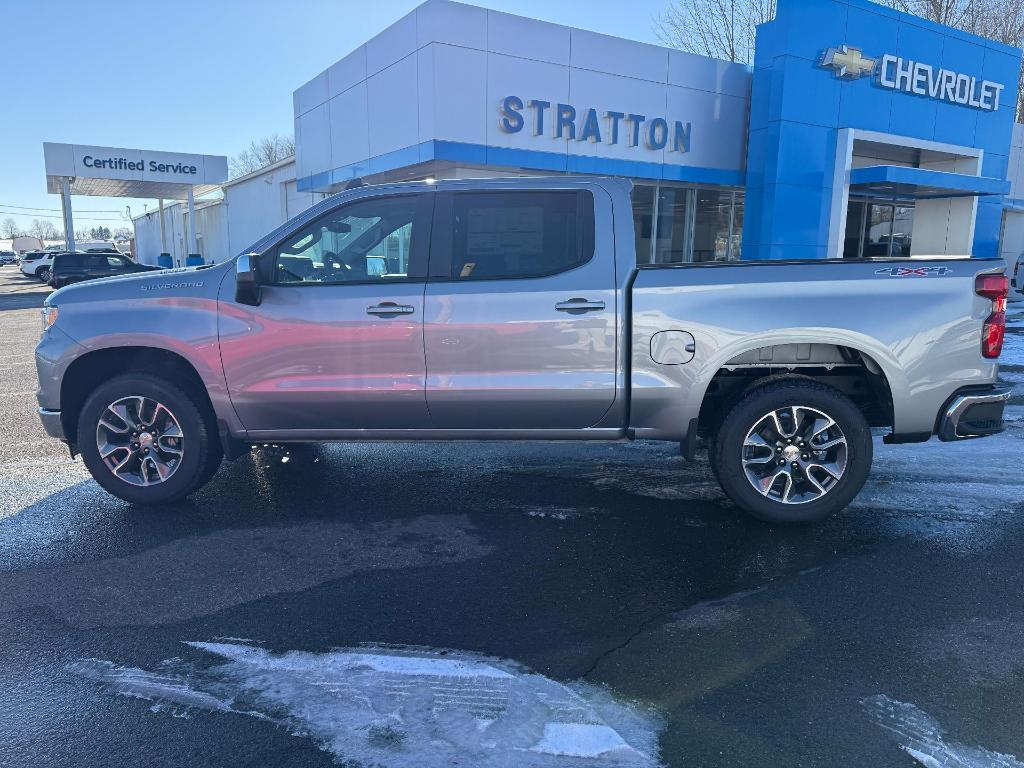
[49, 316]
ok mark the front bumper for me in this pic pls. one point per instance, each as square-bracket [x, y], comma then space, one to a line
[52, 423]
[973, 412]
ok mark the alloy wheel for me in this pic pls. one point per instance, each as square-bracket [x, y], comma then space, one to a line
[795, 454]
[140, 440]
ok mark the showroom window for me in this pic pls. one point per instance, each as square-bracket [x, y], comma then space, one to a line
[876, 229]
[676, 225]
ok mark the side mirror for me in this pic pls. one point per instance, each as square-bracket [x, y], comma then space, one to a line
[247, 280]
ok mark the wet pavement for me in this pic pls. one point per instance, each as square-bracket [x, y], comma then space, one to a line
[504, 604]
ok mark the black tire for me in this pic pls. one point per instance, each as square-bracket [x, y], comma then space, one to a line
[201, 450]
[727, 452]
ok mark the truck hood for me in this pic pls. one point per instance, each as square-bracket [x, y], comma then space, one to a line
[142, 285]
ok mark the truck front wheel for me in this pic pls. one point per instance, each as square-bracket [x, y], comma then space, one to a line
[793, 451]
[146, 441]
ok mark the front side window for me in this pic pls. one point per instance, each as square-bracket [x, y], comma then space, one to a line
[368, 240]
[520, 234]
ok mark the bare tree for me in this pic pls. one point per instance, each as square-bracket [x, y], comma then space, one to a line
[723, 29]
[123, 232]
[44, 229]
[82, 233]
[260, 154]
[9, 229]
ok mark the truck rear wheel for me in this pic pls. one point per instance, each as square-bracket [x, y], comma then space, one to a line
[146, 441]
[793, 451]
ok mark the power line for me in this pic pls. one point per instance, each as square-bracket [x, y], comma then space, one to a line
[29, 208]
[75, 216]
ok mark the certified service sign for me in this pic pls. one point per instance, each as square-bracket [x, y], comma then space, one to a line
[916, 77]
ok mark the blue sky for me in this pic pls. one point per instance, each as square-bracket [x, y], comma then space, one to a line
[192, 76]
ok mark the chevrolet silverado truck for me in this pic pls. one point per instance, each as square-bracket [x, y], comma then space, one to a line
[517, 309]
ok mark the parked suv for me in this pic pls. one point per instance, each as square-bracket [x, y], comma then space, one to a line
[77, 267]
[37, 264]
[8, 257]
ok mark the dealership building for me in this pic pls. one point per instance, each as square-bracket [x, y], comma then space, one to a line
[858, 131]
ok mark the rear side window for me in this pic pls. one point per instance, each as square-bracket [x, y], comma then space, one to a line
[520, 234]
[95, 262]
[67, 261]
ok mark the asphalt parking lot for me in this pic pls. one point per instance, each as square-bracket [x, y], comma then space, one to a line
[372, 604]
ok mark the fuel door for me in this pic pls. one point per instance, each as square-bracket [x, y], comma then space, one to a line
[672, 347]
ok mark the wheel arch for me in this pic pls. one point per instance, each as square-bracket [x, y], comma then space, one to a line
[93, 368]
[863, 372]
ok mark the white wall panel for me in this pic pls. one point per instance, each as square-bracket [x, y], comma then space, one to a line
[702, 73]
[393, 44]
[350, 133]
[313, 141]
[425, 93]
[718, 132]
[454, 23]
[392, 107]
[527, 39]
[615, 55]
[312, 94]
[348, 72]
[460, 94]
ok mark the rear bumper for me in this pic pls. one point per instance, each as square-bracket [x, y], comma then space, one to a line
[52, 423]
[973, 412]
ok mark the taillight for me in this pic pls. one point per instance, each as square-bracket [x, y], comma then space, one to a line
[995, 288]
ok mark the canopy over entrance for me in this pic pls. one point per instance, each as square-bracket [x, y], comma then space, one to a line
[77, 169]
[902, 183]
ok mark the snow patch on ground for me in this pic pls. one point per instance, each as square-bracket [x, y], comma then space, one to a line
[920, 736]
[387, 707]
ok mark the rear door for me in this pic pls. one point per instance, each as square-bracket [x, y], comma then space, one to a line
[520, 313]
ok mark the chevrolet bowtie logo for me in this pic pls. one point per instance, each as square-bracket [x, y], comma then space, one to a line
[849, 63]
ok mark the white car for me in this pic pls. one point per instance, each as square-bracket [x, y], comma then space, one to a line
[37, 264]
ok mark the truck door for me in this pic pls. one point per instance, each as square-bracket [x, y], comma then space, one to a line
[337, 340]
[520, 310]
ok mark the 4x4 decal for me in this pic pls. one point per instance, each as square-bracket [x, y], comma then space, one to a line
[914, 271]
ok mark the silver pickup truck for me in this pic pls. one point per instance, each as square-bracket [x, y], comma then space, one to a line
[515, 309]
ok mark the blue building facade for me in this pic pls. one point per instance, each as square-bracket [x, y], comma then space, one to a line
[839, 80]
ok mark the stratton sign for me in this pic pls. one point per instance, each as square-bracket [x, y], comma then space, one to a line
[915, 77]
[564, 121]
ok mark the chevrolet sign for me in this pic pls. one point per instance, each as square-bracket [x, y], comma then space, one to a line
[915, 77]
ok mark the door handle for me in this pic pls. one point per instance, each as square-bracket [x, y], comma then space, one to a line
[390, 308]
[579, 306]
